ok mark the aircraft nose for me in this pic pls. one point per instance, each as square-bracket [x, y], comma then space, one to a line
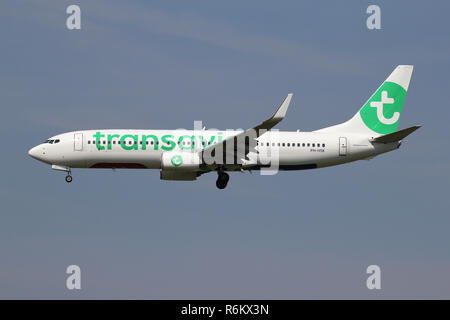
[34, 152]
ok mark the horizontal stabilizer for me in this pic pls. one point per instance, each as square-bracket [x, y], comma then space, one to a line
[395, 136]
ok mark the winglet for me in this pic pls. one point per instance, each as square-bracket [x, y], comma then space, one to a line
[278, 116]
[281, 112]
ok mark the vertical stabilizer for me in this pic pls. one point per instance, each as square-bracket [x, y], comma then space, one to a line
[381, 113]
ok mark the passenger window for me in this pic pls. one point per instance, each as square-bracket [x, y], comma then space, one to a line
[273, 144]
[278, 144]
[313, 145]
[303, 144]
[323, 145]
[89, 141]
[308, 144]
[283, 144]
[288, 144]
[104, 142]
[298, 144]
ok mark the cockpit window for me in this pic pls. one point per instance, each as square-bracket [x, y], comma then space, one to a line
[51, 141]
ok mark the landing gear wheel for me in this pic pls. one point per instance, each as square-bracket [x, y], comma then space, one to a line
[222, 180]
[68, 178]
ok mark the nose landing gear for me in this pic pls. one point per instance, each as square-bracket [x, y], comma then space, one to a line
[69, 178]
[222, 179]
[65, 169]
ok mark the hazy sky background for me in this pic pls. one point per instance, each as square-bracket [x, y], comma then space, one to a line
[142, 64]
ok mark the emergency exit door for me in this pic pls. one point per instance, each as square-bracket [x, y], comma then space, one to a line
[342, 146]
[78, 142]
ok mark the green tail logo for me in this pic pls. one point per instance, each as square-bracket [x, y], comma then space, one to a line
[382, 112]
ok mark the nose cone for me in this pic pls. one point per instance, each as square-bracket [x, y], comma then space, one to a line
[34, 153]
[39, 153]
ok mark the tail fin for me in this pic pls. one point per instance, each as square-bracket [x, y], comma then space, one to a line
[381, 113]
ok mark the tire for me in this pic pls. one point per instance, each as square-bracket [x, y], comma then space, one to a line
[68, 178]
[220, 184]
[222, 180]
[225, 177]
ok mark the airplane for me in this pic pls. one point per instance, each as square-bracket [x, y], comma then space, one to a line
[184, 155]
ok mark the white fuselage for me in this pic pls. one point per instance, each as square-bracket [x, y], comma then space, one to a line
[143, 148]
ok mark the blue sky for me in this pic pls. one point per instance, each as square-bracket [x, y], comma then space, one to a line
[306, 234]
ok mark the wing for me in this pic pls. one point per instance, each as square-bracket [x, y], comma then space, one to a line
[237, 147]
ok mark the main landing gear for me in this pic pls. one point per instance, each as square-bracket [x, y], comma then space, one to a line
[222, 179]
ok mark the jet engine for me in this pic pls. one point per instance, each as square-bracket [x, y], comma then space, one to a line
[180, 161]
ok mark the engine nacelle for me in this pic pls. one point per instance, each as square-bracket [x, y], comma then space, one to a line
[180, 161]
